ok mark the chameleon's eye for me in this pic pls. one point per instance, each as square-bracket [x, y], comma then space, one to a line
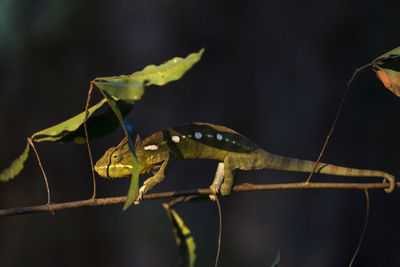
[115, 156]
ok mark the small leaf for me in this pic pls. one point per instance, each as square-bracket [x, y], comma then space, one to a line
[131, 87]
[387, 68]
[133, 191]
[277, 259]
[390, 79]
[183, 238]
[16, 166]
[62, 129]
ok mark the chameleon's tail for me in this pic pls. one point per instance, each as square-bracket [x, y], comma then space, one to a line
[292, 164]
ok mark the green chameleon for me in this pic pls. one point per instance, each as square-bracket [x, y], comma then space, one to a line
[208, 141]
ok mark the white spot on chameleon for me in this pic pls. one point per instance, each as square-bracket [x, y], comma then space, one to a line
[219, 137]
[151, 147]
[198, 135]
[176, 138]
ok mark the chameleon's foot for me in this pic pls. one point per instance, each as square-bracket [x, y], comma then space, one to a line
[142, 191]
[218, 179]
[215, 189]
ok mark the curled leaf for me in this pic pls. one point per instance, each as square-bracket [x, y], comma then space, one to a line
[277, 259]
[183, 238]
[390, 80]
[387, 68]
[16, 166]
[133, 191]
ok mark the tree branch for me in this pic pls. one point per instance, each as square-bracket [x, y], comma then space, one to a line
[246, 187]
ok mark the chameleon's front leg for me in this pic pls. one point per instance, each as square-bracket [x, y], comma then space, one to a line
[151, 182]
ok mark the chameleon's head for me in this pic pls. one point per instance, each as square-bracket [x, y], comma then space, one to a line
[116, 162]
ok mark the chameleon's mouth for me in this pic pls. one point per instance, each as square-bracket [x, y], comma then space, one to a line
[118, 170]
[101, 170]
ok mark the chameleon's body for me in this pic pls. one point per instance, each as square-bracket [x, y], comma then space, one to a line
[207, 141]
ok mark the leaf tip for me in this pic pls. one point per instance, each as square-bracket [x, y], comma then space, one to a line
[16, 166]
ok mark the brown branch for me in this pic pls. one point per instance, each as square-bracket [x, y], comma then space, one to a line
[246, 187]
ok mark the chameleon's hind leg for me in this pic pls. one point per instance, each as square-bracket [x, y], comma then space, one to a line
[226, 171]
[244, 161]
[224, 178]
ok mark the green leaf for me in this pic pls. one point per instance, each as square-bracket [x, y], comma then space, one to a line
[16, 166]
[395, 51]
[133, 191]
[277, 259]
[125, 88]
[183, 238]
[171, 70]
[61, 130]
[131, 87]
[387, 68]
[98, 125]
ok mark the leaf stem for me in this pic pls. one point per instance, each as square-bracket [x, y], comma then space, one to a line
[219, 230]
[339, 111]
[41, 168]
[87, 137]
[364, 230]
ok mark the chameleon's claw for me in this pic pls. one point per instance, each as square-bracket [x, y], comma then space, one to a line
[215, 189]
[213, 197]
[142, 191]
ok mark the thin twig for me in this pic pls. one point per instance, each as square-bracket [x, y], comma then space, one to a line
[204, 191]
[41, 167]
[87, 137]
[337, 117]
[364, 228]
[219, 230]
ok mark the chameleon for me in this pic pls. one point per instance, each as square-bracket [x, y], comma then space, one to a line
[199, 140]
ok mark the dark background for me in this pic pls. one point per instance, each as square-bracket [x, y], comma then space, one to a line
[273, 70]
